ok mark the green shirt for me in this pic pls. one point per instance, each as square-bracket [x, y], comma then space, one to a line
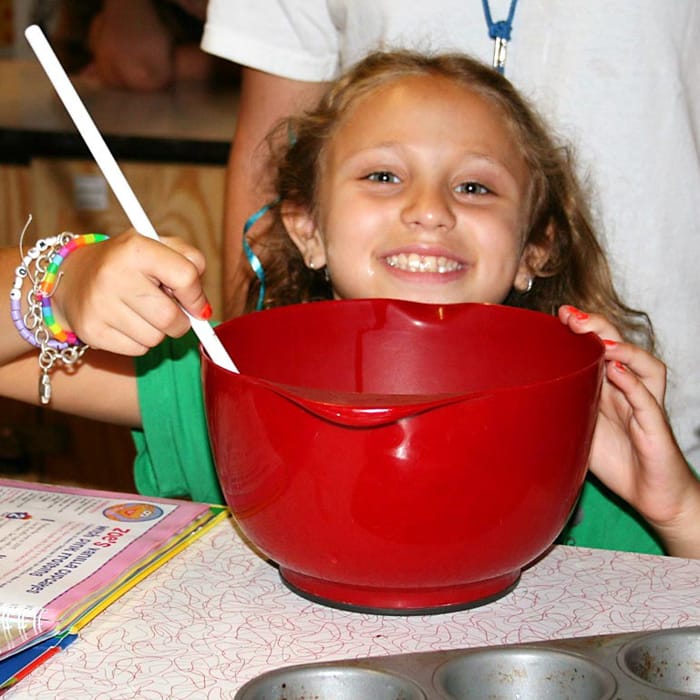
[174, 458]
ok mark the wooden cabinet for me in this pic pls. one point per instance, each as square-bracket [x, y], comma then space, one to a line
[15, 201]
[180, 199]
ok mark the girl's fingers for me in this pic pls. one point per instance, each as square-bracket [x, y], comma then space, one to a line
[650, 371]
[146, 270]
[628, 367]
[149, 323]
[645, 405]
[127, 331]
[647, 368]
[582, 322]
[194, 255]
[182, 277]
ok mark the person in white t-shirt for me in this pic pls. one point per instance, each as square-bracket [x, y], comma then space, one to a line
[621, 81]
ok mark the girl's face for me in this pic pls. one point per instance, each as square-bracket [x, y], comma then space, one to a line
[422, 196]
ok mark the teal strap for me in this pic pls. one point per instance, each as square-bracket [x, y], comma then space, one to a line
[253, 259]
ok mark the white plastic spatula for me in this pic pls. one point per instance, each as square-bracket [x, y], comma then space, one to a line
[112, 172]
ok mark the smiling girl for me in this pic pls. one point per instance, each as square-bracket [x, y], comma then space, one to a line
[428, 208]
[420, 178]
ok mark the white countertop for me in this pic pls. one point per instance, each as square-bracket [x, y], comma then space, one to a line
[217, 615]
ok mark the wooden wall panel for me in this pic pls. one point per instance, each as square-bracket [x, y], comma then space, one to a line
[15, 204]
[180, 200]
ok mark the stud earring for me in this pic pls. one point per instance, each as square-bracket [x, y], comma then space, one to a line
[530, 282]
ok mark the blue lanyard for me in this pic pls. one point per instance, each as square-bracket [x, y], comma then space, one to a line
[500, 33]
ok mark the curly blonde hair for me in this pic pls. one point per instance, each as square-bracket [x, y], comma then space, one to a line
[576, 271]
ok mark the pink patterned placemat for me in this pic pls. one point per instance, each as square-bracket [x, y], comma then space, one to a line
[218, 615]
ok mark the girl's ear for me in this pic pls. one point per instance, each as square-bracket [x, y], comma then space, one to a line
[302, 229]
[533, 259]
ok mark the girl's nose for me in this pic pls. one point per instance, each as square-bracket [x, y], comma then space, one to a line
[428, 207]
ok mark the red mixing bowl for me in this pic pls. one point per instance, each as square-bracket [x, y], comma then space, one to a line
[401, 457]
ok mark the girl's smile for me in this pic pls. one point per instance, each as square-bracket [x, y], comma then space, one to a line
[422, 196]
[424, 262]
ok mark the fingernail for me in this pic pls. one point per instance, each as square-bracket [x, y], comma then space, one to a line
[619, 366]
[578, 314]
[609, 343]
[206, 312]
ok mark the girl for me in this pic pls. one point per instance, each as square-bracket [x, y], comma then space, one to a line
[420, 178]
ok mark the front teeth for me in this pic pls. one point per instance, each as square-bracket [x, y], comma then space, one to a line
[422, 263]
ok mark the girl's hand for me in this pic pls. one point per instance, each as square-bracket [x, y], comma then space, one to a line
[634, 452]
[120, 295]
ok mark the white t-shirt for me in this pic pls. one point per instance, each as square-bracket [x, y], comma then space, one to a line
[618, 79]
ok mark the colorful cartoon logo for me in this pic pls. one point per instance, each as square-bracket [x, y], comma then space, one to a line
[133, 512]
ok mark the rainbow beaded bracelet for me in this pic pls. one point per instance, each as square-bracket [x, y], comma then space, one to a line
[48, 285]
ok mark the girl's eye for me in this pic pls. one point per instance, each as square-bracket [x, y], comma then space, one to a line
[472, 188]
[383, 176]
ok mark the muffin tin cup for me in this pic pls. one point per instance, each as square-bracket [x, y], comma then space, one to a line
[668, 660]
[527, 674]
[338, 682]
[632, 666]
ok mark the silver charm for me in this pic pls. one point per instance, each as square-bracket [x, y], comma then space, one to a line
[500, 53]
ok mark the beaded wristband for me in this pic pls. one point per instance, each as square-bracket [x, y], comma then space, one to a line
[27, 324]
[38, 324]
[48, 285]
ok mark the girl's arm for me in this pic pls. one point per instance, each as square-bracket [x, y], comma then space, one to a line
[265, 99]
[111, 294]
[634, 452]
[103, 387]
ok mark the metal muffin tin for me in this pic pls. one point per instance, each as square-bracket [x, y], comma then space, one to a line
[634, 666]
